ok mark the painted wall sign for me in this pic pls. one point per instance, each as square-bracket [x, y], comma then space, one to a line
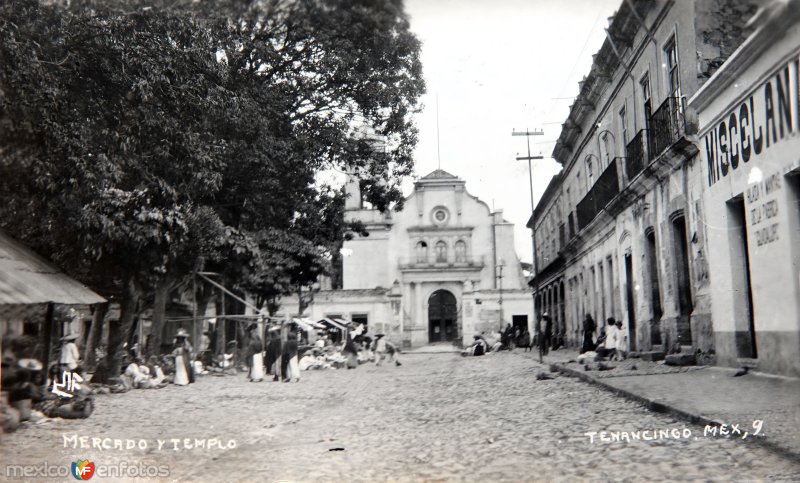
[763, 209]
[761, 120]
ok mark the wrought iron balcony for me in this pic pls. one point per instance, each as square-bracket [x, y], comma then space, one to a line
[636, 152]
[603, 191]
[666, 125]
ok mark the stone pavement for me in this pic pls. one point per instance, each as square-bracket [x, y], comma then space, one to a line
[703, 395]
[438, 417]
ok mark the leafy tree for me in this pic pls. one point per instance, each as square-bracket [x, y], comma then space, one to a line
[140, 143]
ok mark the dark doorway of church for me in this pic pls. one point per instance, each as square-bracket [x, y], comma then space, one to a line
[442, 316]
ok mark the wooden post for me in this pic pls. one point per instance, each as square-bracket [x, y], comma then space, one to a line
[195, 331]
[221, 330]
[48, 336]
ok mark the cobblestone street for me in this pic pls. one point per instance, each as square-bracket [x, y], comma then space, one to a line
[438, 417]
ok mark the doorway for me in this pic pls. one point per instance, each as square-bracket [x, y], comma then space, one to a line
[442, 317]
[629, 302]
[655, 292]
[740, 265]
[684, 284]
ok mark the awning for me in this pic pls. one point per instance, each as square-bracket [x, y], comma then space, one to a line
[303, 323]
[345, 323]
[310, 322]
[334, 324]
[26, 278]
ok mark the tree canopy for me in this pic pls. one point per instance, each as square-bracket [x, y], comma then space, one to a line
[140, 142]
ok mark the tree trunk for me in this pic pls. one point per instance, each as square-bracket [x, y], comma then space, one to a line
[119, 334]
[95, 332]
[159, 316]
[202, 297]
[301, 302]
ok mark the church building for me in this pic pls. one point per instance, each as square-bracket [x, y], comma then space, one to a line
[441, 270]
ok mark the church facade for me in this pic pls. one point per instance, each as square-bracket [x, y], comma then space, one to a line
[441, 270]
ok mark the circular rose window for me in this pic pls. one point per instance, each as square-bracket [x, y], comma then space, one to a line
[440, 215]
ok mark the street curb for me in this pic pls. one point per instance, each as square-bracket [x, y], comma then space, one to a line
[660, 406]
[430, 352]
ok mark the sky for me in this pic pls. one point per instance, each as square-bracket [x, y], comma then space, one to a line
[494, 66]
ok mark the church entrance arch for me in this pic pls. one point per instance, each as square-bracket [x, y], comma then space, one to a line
[442, 316]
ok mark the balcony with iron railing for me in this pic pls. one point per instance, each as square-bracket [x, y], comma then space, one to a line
[666, 125]
[655, 150]
[432, 262]
[636, 155]
[602, 192]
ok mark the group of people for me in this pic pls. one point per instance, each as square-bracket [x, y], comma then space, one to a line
[512, 337]
[279, 357]
[613, 340]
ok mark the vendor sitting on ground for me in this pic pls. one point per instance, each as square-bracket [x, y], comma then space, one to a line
[477, 348]
[156, 372]
[140, 376]
[312, 361]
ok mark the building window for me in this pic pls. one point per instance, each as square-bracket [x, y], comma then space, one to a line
[440, 215]
[589, 173]
[441, 252]
[422, 252]
[623, 126]
[673, 73]
[647, 104]
[461, 251]
[607, 148]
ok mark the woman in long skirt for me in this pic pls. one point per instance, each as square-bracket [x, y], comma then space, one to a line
[182, 354]
[255, 360]
[350, 351]
[274, 350]
[589, 326]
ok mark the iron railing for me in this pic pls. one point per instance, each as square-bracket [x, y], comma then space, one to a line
[603, 191]
[666, 125]
[636, 153]
[433, 263]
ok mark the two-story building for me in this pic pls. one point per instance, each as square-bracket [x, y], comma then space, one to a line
[443, 269]
[628, 226]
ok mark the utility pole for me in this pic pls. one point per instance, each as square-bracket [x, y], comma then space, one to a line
[530, 158]
[500, 301]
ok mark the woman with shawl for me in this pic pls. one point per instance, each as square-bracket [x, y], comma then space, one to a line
[589, 326]
[273, 352]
